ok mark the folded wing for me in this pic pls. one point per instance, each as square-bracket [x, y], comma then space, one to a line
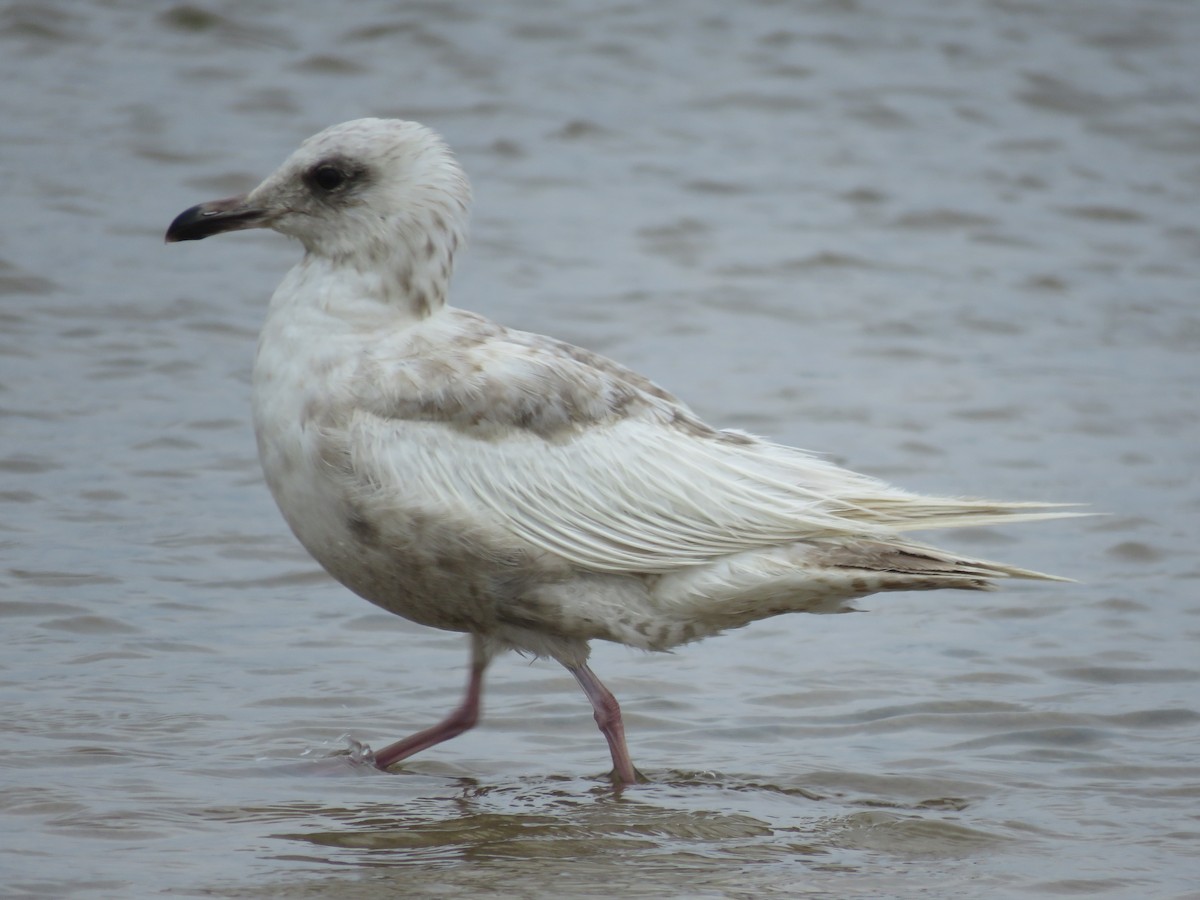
[641, 488]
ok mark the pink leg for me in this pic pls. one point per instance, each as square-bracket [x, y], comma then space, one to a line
[608, 717]
[462, 719]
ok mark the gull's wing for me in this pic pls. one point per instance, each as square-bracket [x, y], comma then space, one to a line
[555, 447]
[627, 497]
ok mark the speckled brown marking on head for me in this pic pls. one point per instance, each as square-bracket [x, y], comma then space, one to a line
[420, 303]
[405, 279]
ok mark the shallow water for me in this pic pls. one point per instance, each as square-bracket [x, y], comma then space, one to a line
[954, 244]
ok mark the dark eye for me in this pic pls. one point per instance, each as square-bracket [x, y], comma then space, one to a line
[328, 178]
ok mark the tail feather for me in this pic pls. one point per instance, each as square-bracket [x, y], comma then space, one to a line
[819, 576]
[924, 563]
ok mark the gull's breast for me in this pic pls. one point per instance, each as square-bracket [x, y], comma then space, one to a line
[298, 397]
[393, 544]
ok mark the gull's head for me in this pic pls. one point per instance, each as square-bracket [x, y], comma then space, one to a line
[356, 193]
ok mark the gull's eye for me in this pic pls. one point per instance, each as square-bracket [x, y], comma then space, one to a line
[328, 178]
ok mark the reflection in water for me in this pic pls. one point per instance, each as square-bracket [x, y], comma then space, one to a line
[566, 819]
[686, 832]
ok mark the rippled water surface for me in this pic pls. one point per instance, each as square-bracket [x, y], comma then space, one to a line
[955, 243]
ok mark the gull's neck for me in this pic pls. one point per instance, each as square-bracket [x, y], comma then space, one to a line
[404, 266]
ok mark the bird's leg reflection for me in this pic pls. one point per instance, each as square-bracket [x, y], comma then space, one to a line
[462, 719]
[608, 717]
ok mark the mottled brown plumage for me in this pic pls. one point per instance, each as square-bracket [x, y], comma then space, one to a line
[530, 493]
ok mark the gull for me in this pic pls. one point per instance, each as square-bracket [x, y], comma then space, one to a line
[530, 493]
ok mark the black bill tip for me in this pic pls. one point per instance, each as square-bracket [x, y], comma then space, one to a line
[207, 219]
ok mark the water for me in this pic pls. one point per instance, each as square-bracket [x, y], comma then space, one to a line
[953, 243]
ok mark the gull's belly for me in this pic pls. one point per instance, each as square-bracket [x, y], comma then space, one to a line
[319, 503]
[408, 554]
[302, 407]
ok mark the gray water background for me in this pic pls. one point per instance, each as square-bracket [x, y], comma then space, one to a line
[954, 243]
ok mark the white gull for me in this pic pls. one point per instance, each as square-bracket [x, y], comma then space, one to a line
[530, 493]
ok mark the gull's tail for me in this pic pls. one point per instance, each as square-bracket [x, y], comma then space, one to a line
[912, 566]
[922, 566]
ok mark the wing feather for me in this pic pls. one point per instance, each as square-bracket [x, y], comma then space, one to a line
[571, 453]
[630, 496]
